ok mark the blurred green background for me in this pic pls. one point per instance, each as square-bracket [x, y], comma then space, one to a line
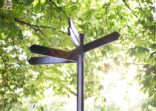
[118, 77]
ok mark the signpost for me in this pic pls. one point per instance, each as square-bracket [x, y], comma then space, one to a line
[56, 56]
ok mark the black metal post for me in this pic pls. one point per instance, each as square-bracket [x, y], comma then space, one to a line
[80, 76]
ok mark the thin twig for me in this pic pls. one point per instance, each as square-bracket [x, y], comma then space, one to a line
[130, 9]
[59, 8]
[36, 32]
[72, 92]
[41, 32]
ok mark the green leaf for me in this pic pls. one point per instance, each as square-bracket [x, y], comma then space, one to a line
[153, 46]
[36, 2]
[42, 1]
[1, 3]
[15, 30]
[28, 2]
[138, 51]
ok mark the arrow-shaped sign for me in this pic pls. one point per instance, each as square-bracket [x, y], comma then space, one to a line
[101, 41]
[73, 33]
[48, 60]
[60, 56]
[51, 52]
[56, 56]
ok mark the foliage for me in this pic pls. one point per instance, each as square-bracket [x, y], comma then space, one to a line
[27, 22]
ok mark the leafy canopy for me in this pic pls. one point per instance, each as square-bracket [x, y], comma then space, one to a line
[44, 22]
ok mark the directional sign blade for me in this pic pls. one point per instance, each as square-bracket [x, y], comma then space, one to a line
[101, 41]
[48, 60]
[50, 51]
[73, 33]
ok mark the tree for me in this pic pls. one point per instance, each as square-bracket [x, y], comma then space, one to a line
[44, 22]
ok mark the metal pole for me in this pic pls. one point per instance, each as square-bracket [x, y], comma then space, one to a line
[80, 78]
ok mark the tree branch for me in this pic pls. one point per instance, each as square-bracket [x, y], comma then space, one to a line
[34, 27]
[29, 24]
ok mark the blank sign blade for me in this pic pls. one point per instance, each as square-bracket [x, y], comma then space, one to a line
[101, 41]
[49, 51]
[74, 38]
[48, 60]
[39, 49]
[73, 33]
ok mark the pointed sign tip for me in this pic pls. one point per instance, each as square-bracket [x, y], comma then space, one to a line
[30, 61]
[116, 35]
[32, 47]
[48, 60]
[102, 41]
[38, 49]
